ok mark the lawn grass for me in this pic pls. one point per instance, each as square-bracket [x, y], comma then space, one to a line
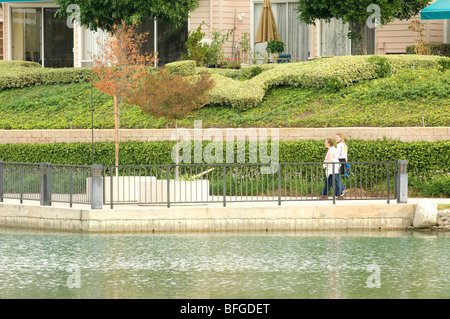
[409, 98]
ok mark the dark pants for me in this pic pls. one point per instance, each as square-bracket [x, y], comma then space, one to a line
[339, 185]
[329, 184]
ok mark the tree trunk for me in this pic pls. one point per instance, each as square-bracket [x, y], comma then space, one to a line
[177, 151]
[116, 128]
[360, 36]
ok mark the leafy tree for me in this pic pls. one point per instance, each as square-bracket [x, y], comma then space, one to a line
[121, 68]
[172, 96]
[105, 14]
[355, 13]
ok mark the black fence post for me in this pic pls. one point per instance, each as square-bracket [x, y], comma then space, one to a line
[46, 184]
[224, 185]
[111, 187]
[168, 186]
[279, 184]
[333, 182]
[1, 181]
[387, 183]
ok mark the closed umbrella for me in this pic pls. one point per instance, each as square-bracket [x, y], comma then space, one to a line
[436, 11]
[267, 28]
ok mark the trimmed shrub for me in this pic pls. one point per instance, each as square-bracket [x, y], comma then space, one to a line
[228, 73]
[19, 77]
[442, 49]
[383, 65]
[400, 62]
[251, 71]
[330, 73]
[17, 64]
[186, 67]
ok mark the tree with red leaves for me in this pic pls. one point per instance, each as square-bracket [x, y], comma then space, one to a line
[172, 96]
[121, 67]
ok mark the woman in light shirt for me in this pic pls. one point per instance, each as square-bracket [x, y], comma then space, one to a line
[342, 156]
[331, 157]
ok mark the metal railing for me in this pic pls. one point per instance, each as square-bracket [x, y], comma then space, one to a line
[194, 183]
[226, 183]
[45, 182]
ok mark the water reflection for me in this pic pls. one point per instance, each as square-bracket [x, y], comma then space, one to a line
[37, 264]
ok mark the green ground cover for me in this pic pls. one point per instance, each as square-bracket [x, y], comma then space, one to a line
[406, 98]
[340, 92]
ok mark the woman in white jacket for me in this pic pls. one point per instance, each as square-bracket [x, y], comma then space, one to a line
[331, 157]
[342, 157]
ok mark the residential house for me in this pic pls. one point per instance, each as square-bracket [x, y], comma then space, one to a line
[323, 39]
[29, 31]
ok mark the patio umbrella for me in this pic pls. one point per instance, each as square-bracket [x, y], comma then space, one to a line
[436, 11]
[267, 28]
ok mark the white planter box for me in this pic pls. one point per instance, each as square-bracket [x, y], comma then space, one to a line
[125, 188]
[137, 189]
[180, 191]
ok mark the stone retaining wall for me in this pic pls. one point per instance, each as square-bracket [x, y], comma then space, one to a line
[405, 134]
[210, 219]
[443, 218]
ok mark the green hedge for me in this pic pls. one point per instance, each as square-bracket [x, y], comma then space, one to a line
[435, 49]
[18, 64]
[20, 76]
[422, 156]
[332, 73]
[186, 67]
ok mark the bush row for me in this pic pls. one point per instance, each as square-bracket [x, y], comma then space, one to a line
[14, 76]
[331, 73]
[18, 64]
[435, 49]
[423, 157]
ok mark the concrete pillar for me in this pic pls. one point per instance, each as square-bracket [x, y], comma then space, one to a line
[97, 187]
[46, 184]
[402, 195]
[1, 181]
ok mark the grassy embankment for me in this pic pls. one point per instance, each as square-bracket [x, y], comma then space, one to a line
[408, 97]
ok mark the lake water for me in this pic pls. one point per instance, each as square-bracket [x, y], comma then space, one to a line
[300, 265]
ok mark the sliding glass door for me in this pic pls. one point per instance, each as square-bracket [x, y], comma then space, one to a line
[27, 34]
[294, 34]
[38, 36]
[58, 41]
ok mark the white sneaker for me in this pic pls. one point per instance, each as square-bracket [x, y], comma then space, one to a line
[343, 192]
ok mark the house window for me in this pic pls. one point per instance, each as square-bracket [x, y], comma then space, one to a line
[170, 42]
[294, 34]
[1, 40]
[92, 46]
[38, 36]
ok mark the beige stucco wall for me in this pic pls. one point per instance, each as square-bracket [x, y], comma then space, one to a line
[222, 15]
[406, 134]
[395, 37]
